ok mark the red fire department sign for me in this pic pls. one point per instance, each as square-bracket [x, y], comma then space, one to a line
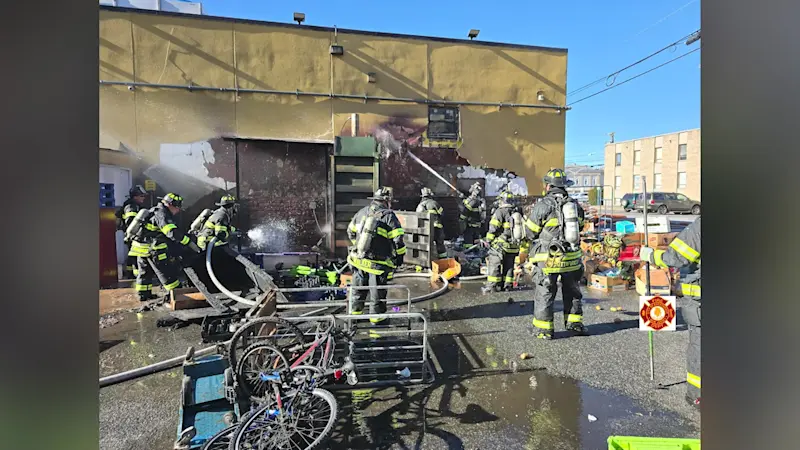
[657, 313]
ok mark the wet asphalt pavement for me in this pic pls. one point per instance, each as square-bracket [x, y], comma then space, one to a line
[484, 395]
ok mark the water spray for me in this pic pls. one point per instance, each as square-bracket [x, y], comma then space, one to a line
[392, 145]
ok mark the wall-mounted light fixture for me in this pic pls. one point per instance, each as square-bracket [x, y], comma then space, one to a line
[540, 96]
[299, 18]
[371, 77]
[473, 33]
[336, 49]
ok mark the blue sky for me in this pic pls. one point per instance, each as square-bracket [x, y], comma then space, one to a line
[601, 36]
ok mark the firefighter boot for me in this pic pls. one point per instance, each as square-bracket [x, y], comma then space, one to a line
[147, 296]
[576, 328]
[541, 333]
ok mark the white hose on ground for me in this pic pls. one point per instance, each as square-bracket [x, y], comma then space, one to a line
[153, 368]
[216, 282]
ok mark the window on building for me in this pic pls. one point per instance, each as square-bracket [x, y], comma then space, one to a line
[637, 157]
[681, 180]
[659, 152]
[586, 181]
[682, 152]
[637, 183]
[617, 182]
[657, 181]
[596, 181]
[577, 181]
[618, 160]
[443, 122]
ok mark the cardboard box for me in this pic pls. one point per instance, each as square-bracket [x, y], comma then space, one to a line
[658, 240]
[660, 281]
[633, 238]
[606, 284]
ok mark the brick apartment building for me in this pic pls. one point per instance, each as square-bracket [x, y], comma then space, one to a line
[670, 162]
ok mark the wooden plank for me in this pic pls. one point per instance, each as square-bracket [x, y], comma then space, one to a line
[357, 189]
[351, 168]
[186, 298]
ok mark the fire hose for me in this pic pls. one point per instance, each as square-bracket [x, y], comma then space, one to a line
[216, 282]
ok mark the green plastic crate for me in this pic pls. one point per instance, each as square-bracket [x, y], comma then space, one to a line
[651, 443]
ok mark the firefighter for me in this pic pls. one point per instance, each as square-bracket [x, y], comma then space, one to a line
[378, 249]
[218, 223]
[428, 204]
[554, 229]
[151, 232]
[473, 210]
[136, 197]
[684, 252]
[503, 245]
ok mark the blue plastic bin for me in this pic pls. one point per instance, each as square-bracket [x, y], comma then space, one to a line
[625, 226]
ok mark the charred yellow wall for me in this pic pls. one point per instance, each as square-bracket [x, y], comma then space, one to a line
[180, 50]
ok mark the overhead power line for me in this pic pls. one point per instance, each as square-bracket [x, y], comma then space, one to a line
[611, 78]
[634, 77]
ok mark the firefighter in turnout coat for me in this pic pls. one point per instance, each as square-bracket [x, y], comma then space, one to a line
[503, 245]
[218, 223]
[136, 197]
[684, 252]
[428, 204]
[473, 210]
[151, 231]
[554, 230]
[377, 250]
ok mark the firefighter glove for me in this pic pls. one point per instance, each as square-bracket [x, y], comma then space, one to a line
[646, 254]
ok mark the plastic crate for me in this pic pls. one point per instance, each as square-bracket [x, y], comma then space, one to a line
[625, 226]
[651, 443]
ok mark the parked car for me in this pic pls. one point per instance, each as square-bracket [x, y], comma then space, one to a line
[627, 202]
[666, 202]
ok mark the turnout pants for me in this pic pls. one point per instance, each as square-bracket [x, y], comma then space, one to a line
[438, 239]
[160, 266]
[132, 265]
[691, 314]
[500, 269]
[377, 297]
[545, 294]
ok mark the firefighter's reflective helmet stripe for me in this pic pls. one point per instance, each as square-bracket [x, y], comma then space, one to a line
[172, 199]
[556, 177]
[690, 290]
[543, 324]
[693, 379]
[685, 250]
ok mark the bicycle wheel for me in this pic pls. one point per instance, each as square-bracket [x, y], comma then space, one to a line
[257, 359]
[278, 332]
[221, 440]
[306, 421]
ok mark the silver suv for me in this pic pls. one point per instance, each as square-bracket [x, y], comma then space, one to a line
[666, 202]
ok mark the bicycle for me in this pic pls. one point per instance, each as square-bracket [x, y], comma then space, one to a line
[289, 418]
[317, 356]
